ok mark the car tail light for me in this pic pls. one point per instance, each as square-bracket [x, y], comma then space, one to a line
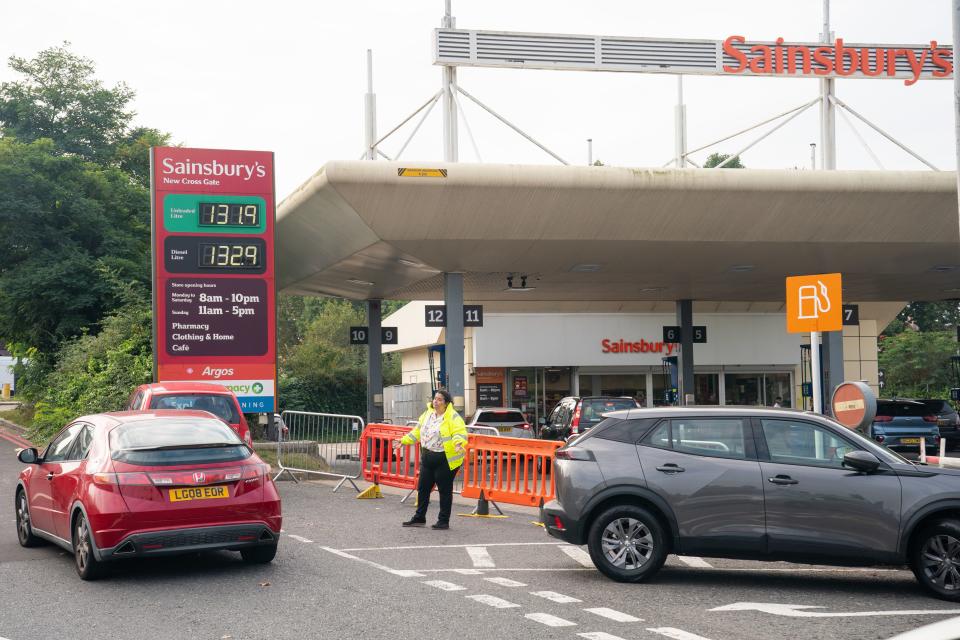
[575, 423]
[255, 471]
[558, 524]
[573, 453]
[525, 426]
[929, 418]
[883, 419]
[122, 479]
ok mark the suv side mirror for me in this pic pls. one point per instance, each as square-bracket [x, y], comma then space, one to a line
[28, 456]
[862, 461]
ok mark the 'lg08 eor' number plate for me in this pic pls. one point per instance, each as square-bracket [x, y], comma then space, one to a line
[198, 493]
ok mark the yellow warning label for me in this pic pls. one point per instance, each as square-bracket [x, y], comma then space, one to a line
[421, 173]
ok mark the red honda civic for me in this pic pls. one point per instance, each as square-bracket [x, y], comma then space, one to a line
[139, 483]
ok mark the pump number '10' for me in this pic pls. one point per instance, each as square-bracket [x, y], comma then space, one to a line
[221, 214]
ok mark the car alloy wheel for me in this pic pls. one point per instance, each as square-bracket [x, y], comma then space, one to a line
[627, 543]
[88, 567]
[940, 562]
[24, 529]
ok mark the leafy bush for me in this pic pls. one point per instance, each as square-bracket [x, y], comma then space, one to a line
[96, 373]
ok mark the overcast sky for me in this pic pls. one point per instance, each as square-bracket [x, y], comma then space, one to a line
[290, 77]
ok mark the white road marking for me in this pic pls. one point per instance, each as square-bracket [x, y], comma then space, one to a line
[299, 538]
[578, 554]
[553, 596]
[444, 585]
[599, 635]
[614, 615]
[477, 572]
[461, 546]
[549, 620]
[803, 611]
[693, 561]
[677, 634]
[375, 565]
[505, 582]
[493, 601]
[406, 573]
[480, 557]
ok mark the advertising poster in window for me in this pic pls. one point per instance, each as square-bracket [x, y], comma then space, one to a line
[520, 386]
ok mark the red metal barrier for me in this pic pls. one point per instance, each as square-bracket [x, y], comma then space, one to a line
[510, 470]
[381, 464]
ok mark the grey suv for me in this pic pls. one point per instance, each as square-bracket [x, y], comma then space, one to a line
[753, 483]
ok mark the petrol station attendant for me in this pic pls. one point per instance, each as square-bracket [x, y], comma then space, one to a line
[443, 439]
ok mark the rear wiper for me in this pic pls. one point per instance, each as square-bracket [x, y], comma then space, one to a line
[175, 447]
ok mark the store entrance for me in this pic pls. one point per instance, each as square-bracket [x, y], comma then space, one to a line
[758, 389]
[537, 390]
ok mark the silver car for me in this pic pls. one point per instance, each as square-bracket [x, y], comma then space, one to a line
[507, 421]
[753, 483]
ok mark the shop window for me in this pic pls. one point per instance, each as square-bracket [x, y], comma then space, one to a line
[706, 388]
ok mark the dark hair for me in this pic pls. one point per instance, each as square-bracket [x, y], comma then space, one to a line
[446, 395]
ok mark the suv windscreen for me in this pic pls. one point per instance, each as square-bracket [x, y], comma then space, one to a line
[219, 405]
[592, 409]
[500, 417]
[173, 441]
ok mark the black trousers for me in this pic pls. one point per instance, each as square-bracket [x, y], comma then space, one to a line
[434, 470]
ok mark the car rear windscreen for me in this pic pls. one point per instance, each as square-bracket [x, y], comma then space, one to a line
[173, 441]
[219, 405]
[902, 409]
[500, 417]
[593, 409]
[937, 406]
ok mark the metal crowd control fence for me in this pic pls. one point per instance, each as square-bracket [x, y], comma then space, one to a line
[326, 444]
[510, 470]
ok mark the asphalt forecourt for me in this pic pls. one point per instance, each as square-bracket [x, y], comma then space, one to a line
[347, 569]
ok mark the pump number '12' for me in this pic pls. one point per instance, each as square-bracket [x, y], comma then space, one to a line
[229, 254]
[221, 214]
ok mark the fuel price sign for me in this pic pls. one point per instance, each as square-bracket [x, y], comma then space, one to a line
[213, 262]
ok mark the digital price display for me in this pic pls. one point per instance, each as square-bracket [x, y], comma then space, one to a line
[222, 214]
[213, 261]
[229, 255]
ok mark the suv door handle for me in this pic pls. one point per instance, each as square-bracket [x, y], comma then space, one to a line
[671, 468]
[782, 479]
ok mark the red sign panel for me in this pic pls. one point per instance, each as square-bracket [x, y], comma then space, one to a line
[213, 262]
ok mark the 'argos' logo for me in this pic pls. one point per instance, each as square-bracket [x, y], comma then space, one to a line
[217, 373]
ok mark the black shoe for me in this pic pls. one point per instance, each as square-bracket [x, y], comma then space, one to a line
[440, 525]
[415, 522]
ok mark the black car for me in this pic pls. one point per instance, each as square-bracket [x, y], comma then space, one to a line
[577, 414]
[947, 419]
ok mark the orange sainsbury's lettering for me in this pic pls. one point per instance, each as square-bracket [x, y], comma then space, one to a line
[836, 59]
[734, 53]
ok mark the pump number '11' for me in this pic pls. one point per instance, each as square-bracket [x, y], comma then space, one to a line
[227, 255]
[220, 214]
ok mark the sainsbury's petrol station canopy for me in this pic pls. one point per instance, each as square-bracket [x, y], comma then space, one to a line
[367, 230]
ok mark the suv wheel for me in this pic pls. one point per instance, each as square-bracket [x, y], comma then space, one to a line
[936, 559]
[627, 544]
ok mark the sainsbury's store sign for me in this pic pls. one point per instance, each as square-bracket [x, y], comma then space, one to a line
[643, 346]
[837, 59]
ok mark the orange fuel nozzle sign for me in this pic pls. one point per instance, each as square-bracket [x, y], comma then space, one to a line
[814, 303]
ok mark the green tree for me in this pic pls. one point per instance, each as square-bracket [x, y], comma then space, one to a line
[917, 364]
[69, 231]
[926, 316]
[60, 99]
[715, 159]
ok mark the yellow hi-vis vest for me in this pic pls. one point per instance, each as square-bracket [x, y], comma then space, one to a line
[452, 431]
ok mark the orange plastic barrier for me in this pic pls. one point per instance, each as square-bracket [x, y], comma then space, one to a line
[510, 470]
[381, 464]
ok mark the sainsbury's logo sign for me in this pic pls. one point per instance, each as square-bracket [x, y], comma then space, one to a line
[213, 169]
[643, 346]
[837, 59]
